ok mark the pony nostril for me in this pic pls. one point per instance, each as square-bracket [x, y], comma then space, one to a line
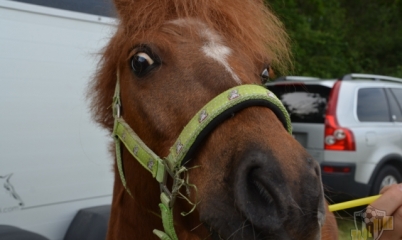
[259, 187]
[256, 199]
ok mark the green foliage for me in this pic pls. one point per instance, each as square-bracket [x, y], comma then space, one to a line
[333, 37]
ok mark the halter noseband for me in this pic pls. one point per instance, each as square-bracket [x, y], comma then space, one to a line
[211, 115]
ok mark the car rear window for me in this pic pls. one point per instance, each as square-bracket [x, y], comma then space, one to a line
[305, 103]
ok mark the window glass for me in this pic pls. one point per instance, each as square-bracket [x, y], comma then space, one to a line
[372, 105]
[398, 95]
[396, 113]
[305, 103]
[96, 7]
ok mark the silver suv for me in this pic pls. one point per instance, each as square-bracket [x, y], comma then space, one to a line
[352, 126]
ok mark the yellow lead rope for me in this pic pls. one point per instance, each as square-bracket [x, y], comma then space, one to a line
[353, 203]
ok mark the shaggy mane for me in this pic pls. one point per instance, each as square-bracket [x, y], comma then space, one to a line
[248, 24]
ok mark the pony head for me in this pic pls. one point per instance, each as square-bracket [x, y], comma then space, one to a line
[252, 179]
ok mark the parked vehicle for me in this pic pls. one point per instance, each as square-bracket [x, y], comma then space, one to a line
[352, 126]
[53, 158]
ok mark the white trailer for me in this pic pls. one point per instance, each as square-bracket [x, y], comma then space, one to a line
[53, 158]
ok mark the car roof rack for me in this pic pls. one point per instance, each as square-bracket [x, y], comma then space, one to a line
[296, 78]
[374, 77]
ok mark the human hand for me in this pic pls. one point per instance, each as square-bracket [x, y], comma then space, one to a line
[391, 202]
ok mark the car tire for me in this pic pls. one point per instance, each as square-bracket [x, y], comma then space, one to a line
[386, 176]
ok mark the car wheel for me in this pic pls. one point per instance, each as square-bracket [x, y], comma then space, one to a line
[386, 176]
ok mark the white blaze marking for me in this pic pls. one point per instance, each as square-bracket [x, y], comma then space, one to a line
[217, 51]
[213, 48]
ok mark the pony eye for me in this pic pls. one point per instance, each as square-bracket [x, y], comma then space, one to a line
[265, 75]
[142, 63]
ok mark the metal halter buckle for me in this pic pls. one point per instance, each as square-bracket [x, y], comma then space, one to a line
[164, 188]
[116, 109]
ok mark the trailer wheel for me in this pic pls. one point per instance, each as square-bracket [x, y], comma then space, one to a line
[13, 233]
[89, 224]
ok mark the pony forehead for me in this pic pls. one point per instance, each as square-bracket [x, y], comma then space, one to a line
[186, 22]
[198, 26]
[213, 46]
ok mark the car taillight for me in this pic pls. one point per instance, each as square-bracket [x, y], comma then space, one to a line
[336, 137]
[334, 169]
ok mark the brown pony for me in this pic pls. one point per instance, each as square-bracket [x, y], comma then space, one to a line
[253, 180]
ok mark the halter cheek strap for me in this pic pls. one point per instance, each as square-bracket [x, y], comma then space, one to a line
[211, 115]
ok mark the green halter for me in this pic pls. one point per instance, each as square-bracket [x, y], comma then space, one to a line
[212, 114]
